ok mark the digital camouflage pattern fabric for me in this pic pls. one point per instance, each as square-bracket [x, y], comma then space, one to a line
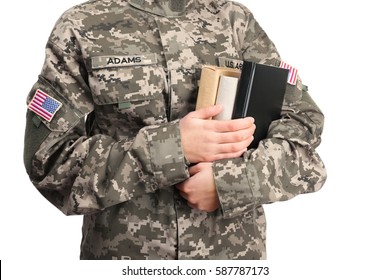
[125, 72]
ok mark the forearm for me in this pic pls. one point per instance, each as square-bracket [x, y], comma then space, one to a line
[81, 175]
[278, 170]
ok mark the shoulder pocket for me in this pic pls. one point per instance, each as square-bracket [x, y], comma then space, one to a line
[62, 119]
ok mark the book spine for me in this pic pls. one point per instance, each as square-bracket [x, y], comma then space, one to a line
[207, 88]
[243, 90]
[248, 92]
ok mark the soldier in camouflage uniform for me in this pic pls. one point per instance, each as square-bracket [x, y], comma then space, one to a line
[121, 144]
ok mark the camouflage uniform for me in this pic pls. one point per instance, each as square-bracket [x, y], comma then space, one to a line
[125, 72]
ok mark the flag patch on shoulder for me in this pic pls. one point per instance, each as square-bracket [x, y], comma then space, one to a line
[44, 105]
[292, 74]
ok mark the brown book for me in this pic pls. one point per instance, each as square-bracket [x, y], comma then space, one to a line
[209, 83]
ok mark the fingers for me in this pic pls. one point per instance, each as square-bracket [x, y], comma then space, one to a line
[230, 125]
[229, 142]
[219, 156]
[209, 140]
[235, 136]
[206, 113]
[184, 189]
[199, 190]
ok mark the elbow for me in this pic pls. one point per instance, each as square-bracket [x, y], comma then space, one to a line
[310, 172]
[319, 180]
[316, 173]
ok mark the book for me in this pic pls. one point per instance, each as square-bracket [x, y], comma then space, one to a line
[226, 96]
[260, 94]
[209, 82]
[257, 91]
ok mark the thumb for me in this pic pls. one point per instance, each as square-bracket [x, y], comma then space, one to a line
[207, 113]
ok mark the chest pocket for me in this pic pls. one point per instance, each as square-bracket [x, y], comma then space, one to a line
[128, 92]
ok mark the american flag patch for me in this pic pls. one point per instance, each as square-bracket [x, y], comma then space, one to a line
[44, 105]
[292, 74]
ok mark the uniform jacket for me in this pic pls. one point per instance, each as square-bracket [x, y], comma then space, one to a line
[125, 72]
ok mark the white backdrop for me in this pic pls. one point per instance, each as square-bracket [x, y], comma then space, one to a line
[341, 49]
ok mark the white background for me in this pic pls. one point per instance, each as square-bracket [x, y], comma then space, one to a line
[341, 49]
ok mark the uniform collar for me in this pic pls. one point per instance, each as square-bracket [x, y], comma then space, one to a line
[167, 8]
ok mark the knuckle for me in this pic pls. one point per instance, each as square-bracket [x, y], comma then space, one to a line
[238, 137]
[192, 200]
[231, 148]
[232, 126]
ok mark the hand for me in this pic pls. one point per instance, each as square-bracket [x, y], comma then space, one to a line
[199, 190]
[206, 140]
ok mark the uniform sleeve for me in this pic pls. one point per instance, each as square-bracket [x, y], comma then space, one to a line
[82, 174]
[285, 164]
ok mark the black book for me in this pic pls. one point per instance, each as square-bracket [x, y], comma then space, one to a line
[260, 95]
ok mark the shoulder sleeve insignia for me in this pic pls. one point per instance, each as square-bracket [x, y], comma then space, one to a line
[44, 105]
[293, 73]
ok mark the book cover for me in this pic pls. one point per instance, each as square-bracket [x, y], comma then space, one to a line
[260, 94]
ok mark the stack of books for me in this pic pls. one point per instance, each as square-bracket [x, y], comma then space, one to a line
[257, 90]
